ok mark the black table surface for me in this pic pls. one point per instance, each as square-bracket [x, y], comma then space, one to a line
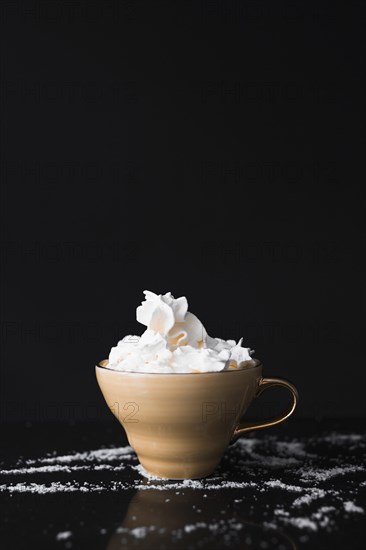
[79, 485]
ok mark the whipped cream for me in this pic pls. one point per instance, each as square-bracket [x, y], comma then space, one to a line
[175, 341]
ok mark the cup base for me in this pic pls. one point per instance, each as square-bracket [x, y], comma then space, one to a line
[157, 478]
[177, 474]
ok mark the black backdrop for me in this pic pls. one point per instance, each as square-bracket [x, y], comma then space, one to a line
[209, 148]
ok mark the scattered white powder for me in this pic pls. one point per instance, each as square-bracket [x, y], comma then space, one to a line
[314, 494]
[60, 468]
[281, 512]
[42, 469]
[287, 453]
[327, 509]
[64, 463]
[57, 487]
[342, 439]
[277, 484]
[323, 516]
[350, 506]
[272, 461]
[99, 455]
[226, 528]
[270, 525]
[99, 467]
[291, 448]
[141, 470]
[246, 463]
[193, 527]
[64, 535]
[194, 484]
[43, 489]
[301, 523]
[138, 532]
[324, 475]
[248, 444]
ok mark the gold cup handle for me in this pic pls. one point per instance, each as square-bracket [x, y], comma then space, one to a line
[265, 384]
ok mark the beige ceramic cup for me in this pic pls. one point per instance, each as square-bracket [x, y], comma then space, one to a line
[180, 424]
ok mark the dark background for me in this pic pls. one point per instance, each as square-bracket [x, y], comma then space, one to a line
[213, 149]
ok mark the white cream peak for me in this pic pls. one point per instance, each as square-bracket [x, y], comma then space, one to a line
[175, 341]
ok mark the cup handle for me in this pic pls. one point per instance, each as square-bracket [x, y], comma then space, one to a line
[265, 384]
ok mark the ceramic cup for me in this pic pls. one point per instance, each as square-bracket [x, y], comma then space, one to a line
[180, 424]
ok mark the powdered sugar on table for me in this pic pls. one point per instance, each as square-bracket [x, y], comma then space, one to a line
[292, 482]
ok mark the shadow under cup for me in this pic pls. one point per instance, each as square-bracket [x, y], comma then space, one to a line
[180, 424]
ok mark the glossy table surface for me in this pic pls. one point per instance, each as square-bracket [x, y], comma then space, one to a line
[301, 485]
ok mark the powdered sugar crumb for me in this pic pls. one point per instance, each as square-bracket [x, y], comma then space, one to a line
[350, 506]
[277, 484]
[340, 439]
[253, 467]
[141, 470]
[195, 526]
[59, 468]
[301, 523]
[63, 535]
[324, 475]
[99, 455]
[314, 494]
[137, 532]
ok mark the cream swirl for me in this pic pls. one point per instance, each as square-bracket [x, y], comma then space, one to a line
[174, 341]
